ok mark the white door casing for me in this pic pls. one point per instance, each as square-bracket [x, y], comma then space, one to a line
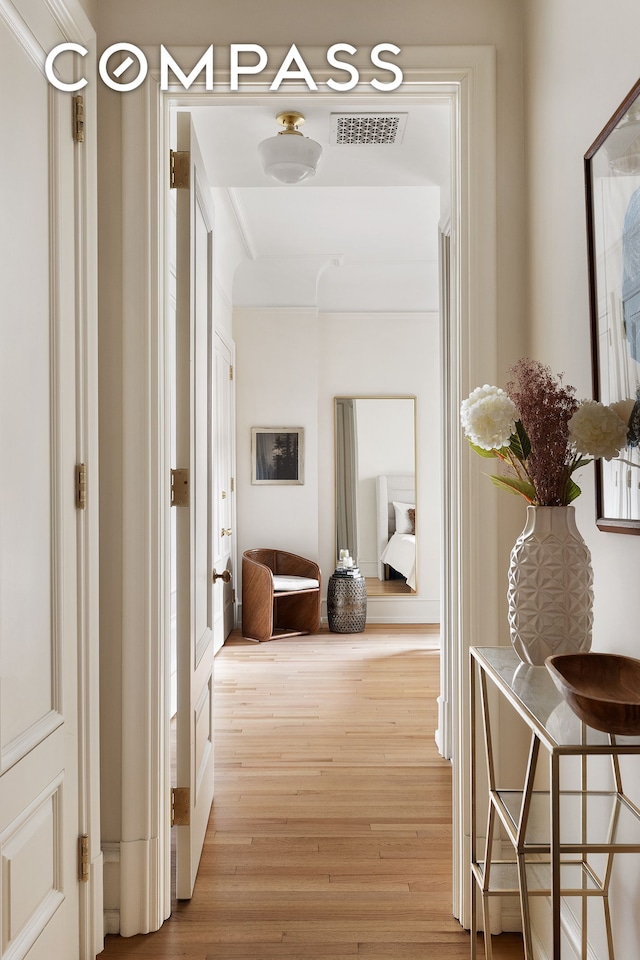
[194, 521]
[48, 547]
[466, 75]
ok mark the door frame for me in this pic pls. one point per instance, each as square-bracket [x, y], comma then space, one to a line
[466, 75]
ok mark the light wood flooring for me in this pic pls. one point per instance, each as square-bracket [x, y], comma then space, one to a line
[330, 835]
[386, 588]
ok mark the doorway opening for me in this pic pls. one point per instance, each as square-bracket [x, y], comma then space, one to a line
[469, 354]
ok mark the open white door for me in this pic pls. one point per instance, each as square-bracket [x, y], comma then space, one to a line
[224, 496]
[194, 520]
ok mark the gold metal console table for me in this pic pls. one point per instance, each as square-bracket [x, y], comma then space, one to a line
[565, 835]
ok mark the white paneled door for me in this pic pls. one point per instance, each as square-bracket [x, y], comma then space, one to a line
[223, 496]
[194, 520]
[42, 419]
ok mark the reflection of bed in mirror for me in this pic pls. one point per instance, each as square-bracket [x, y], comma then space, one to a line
[396, 539]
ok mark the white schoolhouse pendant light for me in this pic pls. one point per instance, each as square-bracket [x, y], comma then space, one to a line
[289, 156]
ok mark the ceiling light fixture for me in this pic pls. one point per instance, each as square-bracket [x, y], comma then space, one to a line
[289, 156]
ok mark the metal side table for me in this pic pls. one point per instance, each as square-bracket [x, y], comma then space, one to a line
[565, 835]
[346, 603]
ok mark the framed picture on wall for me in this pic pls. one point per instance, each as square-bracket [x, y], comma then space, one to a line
[612, 181]
[277, 455]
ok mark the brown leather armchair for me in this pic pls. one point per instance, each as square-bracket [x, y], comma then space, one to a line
[280, 594]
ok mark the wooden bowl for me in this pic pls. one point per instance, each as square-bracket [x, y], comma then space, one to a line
[603, 689]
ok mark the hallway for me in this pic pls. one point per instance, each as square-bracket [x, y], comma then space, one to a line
[330, 836]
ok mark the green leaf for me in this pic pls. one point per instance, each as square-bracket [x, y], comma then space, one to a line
[488, 454]
[581, 463]
[573, 490]
[519, 443]
[516, 486]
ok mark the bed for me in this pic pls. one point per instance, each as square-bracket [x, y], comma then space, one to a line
[395, 497]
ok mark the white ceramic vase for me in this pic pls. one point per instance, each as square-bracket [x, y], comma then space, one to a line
[550, 587]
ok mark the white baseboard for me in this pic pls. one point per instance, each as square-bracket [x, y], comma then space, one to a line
[111, 921]
[572, 930]
[385, 610]
[111, 887]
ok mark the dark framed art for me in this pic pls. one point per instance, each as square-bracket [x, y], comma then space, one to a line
[612, 185]
[277, 455]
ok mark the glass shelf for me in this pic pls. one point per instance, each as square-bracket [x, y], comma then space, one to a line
[576, 879]
[601, 821]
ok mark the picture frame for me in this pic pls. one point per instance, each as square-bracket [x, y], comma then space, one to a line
[612, 192]
[277, 455]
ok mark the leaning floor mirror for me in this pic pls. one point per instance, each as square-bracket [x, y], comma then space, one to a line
[375, 479]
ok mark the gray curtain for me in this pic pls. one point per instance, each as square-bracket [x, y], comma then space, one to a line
[346, 477]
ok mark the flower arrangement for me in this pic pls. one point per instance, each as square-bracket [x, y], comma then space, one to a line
[538, 429]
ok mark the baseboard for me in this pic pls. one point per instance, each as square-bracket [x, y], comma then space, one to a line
[572, 929]
[111, 887]
[111, 922]
[409, 610]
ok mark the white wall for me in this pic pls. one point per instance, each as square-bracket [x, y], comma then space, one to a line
[290, 365]
[277, 386]
[582, 59]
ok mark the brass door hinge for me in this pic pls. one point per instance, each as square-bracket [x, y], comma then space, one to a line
[180, 804]
[179, 169]
[233, 485]
[81, 486]
[230, 371]
[233, 596]
[180, 487]
[83, 858]
[78, 118]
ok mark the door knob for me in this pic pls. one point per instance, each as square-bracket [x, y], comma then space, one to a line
[225, 576]
[225, 532]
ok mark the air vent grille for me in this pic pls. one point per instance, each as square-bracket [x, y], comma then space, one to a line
[353, 128]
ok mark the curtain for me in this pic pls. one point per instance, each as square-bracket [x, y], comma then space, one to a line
[346, 477]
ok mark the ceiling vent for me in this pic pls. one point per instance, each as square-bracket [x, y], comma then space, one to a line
[352, 128]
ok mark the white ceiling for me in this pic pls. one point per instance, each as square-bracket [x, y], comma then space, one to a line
[371, 210]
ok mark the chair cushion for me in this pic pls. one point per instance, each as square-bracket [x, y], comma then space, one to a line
[293, 583]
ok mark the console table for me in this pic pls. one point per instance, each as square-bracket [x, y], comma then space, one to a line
[556, 828]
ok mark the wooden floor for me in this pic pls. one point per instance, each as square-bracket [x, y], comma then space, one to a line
[386, 588]
[330, 836]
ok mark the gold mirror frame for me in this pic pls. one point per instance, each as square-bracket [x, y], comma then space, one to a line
[355, 495]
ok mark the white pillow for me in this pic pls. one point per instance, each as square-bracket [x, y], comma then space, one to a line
[403, 521]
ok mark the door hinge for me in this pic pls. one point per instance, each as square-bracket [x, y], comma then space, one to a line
[233, 485]
[230, 371]
[180, 487]
[83, 858]
[178, 169]
[81, 486]
[77, 116]
[233, 596]
[180, 804]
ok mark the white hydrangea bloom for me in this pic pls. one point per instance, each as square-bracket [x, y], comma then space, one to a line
[624, 409]
[597, 430]
[488, 417]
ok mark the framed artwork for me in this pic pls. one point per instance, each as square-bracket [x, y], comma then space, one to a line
[612, 184]
[277, 455]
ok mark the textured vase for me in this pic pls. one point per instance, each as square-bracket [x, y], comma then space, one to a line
[550, 587]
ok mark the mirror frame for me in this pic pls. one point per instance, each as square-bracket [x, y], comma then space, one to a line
[376, 396]
[608, 524]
